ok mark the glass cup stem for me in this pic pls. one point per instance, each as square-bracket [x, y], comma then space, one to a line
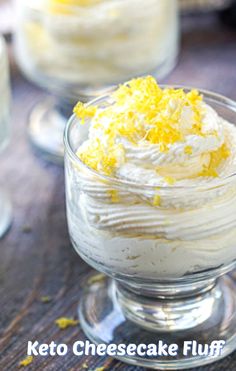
[112, 313]
[46, 126]
[163, 312]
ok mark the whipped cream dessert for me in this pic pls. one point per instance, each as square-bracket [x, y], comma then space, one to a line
[152, 194]
[95, 42]
[4, 95]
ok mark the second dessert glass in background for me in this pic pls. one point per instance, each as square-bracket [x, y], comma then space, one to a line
[79, 49]
[5, 205]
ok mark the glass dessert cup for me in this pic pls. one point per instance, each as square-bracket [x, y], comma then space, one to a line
[66, 49]
[153, 288]
[5, 205]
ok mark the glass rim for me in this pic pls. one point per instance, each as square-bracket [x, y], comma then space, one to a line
[218, 98]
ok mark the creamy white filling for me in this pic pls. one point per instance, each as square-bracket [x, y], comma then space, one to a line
[192, 229]
[148, 257]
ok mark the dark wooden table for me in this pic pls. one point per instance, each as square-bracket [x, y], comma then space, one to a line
[36, 257]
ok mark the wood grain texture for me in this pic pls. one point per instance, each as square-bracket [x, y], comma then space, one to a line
[36, 257]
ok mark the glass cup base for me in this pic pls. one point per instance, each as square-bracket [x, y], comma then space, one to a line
[5, 213]
[46, 126]
[109, 315]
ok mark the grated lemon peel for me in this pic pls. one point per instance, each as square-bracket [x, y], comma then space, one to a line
[114, 195]
[84, 112]
[67, 7]
[169, 180]
[46, 299]
[216, 158]
[64, 322]
[26, 361]
[157, 200]
[142, 111]
[188, 150]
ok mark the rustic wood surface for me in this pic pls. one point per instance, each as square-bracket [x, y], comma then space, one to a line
[36, 257]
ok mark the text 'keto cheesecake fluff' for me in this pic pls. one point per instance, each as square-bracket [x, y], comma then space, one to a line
[149, 186]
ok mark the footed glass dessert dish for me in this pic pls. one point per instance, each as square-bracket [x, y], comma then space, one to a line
[5, 205]
[151, 203]
[78, 49]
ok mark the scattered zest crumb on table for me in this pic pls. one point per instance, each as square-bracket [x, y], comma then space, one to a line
[45, 299]
[64, 322]
[26, 361]
[85, 365]
[96, 278]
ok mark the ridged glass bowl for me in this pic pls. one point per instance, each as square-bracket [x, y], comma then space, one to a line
[164, 271]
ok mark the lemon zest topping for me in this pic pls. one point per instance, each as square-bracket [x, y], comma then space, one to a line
[141, 112]
[114, 195]
[84, 112]
[46, 299]
[26, 361]
[64, 322]
[216, 158]
[188, 150]
[96, 279]
[169, 180]
[157, 200]
[100, 158]
[66, 7]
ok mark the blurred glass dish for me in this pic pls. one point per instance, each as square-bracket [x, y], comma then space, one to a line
[5, 206]
[78, 49]
[203, 5]
[167, 255]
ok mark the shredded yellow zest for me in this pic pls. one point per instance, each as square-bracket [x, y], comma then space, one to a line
[45, 299]
[100, 368]
[114, 195]
[156, 200]
[100, 157]
[169, 180]
[96, 279]
[26, 361]
[141, 112]
[76, 2]
[64, 322]
[188, 150]
[216, 158]
[84, 112]
[65, 7]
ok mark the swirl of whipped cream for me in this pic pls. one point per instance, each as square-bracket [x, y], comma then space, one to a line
[180, 137]
[201, 149]
[166, 206]
[171, 224]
